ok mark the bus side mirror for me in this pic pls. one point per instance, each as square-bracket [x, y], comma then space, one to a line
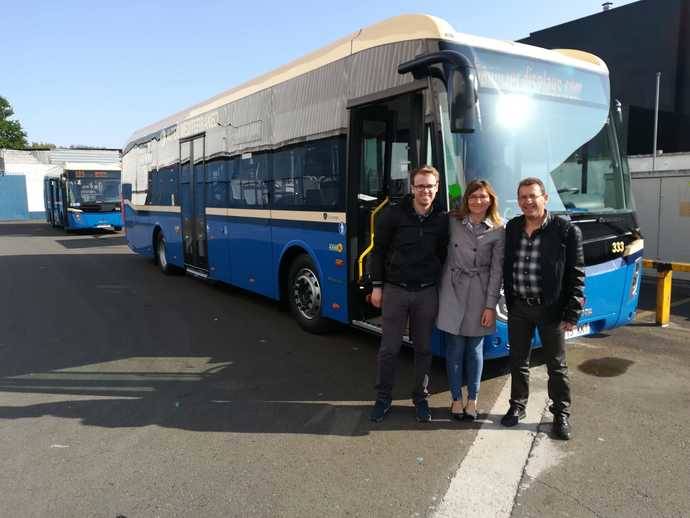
[619, 111]
[460, 80]
[462, 92]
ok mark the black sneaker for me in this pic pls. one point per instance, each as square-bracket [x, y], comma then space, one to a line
[381, 408]
[513, 415]
[422, 411]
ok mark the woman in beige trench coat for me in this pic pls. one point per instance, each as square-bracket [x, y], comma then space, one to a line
[469, 291]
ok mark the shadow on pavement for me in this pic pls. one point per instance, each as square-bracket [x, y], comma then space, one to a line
[680, 297]
[131, 347]
[41, 228]
[73, 244]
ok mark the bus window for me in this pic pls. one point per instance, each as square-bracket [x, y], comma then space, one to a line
[323, 174]
[217, 184]
[373, 158]
[249, 184]
[288, 174]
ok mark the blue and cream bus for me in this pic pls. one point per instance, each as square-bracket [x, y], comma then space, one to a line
[274, 185]
[84, 196]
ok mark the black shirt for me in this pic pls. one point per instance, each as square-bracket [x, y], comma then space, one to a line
[409, 248]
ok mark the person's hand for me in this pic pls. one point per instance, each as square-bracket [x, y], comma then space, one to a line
[488, 317]
[568, 326]
[376, 297]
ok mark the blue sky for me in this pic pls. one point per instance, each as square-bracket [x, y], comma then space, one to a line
[91, 73]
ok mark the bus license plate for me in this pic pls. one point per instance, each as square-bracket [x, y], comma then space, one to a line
[578, 331]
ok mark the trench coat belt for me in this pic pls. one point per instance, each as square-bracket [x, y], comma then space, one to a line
[470, 272]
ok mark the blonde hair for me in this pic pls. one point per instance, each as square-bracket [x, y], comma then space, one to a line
[491, 212]
[425, 169]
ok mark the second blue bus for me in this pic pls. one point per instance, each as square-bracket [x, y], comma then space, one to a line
[84, 196]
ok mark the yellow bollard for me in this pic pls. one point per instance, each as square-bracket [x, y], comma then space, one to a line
[663, 297]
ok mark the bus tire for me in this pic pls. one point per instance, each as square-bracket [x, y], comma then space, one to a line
[305, 295]
[161, 256]
[117, 229]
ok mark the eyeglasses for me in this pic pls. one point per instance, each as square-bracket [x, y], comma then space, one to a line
[421, 188]
[479, 198]
[530, 197]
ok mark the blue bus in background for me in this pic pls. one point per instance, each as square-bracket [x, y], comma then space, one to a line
[274, 186]
[84, 196]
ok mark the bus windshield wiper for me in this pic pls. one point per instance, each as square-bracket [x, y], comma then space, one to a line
[613, 225]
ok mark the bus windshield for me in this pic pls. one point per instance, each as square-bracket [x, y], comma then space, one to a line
[553, 125]
[88, 189]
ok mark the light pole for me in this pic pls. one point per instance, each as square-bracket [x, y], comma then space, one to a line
[656, 118]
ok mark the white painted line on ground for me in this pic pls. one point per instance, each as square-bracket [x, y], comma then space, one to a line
[545, 455]
[488, 479]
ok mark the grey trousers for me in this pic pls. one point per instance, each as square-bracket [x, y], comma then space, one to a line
[421, 307]
[522, 321]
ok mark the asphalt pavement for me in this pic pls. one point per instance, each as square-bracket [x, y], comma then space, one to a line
[124, 392]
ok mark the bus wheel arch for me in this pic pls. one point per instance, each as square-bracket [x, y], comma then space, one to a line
[286, 261]
[160, 254]
[304, 293]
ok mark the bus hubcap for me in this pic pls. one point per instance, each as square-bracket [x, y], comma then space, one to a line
[161, 253]
[306, 292]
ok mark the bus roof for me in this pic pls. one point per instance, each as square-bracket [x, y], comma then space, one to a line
[399, 28]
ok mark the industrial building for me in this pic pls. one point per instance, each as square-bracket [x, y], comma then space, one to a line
[636, 41]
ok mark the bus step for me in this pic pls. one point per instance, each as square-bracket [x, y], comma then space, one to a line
[374, 326]
[196, 272]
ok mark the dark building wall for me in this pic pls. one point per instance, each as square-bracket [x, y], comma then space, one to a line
[636, 41]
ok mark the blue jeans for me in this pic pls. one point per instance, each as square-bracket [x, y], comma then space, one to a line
[464, 362]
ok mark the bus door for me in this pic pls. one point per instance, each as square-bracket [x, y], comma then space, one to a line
[49, 193]
[61, 201]
[50, 201]
[385, 145]
[193, 203]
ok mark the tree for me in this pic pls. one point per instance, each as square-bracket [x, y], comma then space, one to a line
[12, 136]
[41, 145]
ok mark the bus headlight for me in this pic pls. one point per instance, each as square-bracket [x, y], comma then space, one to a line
[502, 308]
[635, 283]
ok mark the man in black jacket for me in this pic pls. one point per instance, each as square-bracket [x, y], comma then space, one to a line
[409, 250]
[543, 281]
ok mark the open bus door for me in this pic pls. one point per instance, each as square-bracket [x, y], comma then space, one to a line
[125, 195]
[193, 203]
[386, 140]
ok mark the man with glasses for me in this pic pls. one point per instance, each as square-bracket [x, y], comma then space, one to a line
[543, 281]
[409, 249]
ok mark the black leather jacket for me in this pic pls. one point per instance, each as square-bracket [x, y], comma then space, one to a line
[562, 265]
[408, 251]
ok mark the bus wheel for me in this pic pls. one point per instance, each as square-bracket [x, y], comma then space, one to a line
[161, 257]
[305, 295]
